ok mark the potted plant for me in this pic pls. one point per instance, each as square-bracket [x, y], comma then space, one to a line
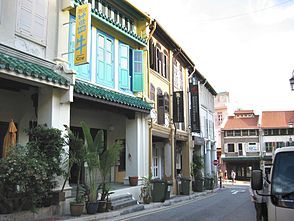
[99, 158]
[196, 173]
[108, 159]
[76, 155]
[93, 161]
[146, 188]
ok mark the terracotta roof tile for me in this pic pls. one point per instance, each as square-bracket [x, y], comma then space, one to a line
[276, 119]
[241, 123]
[244, 112]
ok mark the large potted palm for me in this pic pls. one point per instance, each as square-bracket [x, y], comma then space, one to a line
[93, 161]
[98, 157]
[108, 159]
[76, 155]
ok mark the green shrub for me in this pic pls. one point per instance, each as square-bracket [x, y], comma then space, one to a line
[24, 181]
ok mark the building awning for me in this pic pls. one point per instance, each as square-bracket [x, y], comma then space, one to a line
[31, 71]
[257, 158]
[87, 90]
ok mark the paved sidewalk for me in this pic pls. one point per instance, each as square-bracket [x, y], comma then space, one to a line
[113, 214]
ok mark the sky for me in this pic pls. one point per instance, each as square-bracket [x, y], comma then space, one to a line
[244, 47]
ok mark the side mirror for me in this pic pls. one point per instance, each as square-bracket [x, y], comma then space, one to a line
[256, 180]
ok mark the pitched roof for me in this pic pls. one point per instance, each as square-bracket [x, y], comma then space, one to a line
[241, 123]
[276, 119]
[110, 96]
[29, 69]
[244, 112]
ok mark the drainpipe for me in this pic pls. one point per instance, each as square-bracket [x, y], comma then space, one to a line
[175, 128]
[148, 90]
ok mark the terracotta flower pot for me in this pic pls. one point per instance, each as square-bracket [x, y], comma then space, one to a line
[76, 209]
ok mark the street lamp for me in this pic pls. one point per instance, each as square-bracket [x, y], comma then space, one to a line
[292, 81]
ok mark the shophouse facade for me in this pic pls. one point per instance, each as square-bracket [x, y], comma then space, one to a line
[203, 129]
[108, 93]
[276, 132]
[33, 86]
[168, 91]
[241, 150]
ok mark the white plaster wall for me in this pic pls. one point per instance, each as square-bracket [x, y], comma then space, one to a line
[17, 106]
[102, 120]
[8, 15]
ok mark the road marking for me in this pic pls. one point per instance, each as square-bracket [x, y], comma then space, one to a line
[237, 191]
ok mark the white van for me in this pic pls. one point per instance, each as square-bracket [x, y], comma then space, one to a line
[281, 185]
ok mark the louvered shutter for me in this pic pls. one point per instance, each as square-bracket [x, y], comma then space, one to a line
[137, 71]
[124, 76]
[39, 26]
[32, 19]
[151, 54]
[160, 109]
[100, 59]
[108, 61]
[25, 16]
[226, 148]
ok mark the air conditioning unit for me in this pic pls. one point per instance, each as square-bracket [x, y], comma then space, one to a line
[67, 5]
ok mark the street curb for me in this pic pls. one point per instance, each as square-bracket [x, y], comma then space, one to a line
[174, 200]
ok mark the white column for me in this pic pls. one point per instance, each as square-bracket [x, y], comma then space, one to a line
[213, 157]
[54, 112]
[136, 147]
[208, 158]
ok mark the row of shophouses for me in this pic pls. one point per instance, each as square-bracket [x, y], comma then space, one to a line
[248, 141]
[139, 86]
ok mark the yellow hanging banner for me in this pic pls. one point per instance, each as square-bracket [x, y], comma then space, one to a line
[82, 37]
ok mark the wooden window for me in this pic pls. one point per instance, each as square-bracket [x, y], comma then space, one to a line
[237, 133]
[252, 132]
[160, 107]
[151, 54]
[231, 147]
[152, 92]
[166, 102]
[229, 133]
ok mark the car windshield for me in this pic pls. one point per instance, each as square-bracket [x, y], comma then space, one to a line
[283, 175]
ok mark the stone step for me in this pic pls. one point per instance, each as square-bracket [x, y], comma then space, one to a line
[132, 209]
[120, 197]
[122, 203]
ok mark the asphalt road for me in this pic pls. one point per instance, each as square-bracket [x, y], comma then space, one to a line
[229, 204]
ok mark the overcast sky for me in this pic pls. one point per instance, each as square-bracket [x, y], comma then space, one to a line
[245, 47]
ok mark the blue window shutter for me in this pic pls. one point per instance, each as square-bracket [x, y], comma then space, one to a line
[100, 73]
[137, 71]
[109, 61]
[83, 71]
[105, 63]
[124, 76]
